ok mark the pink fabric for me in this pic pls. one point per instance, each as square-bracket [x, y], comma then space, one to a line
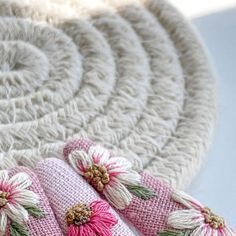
[65, 188]
[44, 226]
[149, 216]
[81, 144]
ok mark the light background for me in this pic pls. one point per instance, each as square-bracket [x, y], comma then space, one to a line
[215, 185]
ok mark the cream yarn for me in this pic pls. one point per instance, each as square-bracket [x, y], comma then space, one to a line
[129, 74]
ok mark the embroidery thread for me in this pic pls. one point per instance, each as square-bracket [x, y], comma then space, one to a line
[174, 233]
[93, 219]
[141, 191]
[17, 229]
[17, 203]
[112, 176]
[171, 233]
[197, 218]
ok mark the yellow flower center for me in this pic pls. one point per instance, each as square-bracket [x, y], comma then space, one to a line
[97, 176]
[212, 219]
[3, 198]
[78, 214]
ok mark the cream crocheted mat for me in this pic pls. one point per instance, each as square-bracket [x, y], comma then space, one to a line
[131, 75]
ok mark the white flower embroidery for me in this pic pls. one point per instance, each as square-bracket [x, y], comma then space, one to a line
[14, 197]
[200, 220]
[110, 175]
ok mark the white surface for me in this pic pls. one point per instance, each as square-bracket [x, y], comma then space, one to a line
[193, 8]
[216, 184]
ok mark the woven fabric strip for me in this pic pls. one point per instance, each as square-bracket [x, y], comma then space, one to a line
[48, 225]
[149, 216]
[65, 188]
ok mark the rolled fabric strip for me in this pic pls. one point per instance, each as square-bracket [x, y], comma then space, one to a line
[24, 207]
[79, 210]
[151, 205]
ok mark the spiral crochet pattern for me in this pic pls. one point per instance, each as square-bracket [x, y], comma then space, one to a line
[129, 74]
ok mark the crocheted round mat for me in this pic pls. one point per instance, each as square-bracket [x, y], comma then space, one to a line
[129, 74]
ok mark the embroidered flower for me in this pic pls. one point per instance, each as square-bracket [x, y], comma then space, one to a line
[113, 176]
[16, 202]
[197, 219]
[91, 220]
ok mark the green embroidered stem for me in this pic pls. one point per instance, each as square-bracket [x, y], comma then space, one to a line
[35, 211]
[17, 229]
[141, 191]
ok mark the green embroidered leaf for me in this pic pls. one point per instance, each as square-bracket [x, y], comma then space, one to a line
[173, 233]
[170, 233]
[17, 229]
[35, 211]
[141, 191]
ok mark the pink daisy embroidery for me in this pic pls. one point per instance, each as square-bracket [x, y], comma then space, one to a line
[197, 219]
[17, 202]
[111, 175]
[90, 220]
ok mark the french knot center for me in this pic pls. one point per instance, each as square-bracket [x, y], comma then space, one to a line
[3, 198]
[212, 219]
[98, 176]
[78, 214]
